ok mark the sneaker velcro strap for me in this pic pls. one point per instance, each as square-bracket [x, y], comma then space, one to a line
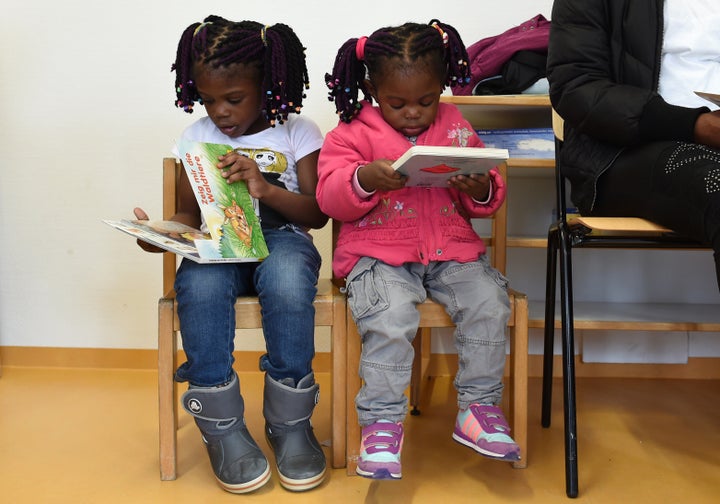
[382, 436]
[490, 418]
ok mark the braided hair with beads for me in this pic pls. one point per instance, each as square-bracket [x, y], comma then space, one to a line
[275, 50]
[437, 44]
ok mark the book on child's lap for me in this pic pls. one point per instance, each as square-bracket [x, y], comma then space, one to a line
[228, 210]
[432, 166]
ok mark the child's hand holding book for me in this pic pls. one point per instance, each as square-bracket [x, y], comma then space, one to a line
[380, 176]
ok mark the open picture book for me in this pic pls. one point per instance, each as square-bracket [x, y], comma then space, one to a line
[228, 212]
[432, 166]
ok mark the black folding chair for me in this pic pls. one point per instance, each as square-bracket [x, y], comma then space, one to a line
[565, 234]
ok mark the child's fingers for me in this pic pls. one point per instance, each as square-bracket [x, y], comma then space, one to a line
[227, 160]
[140, 214]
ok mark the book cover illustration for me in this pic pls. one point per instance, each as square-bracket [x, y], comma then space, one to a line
[228, 210]
[432, 166]
[521, 142]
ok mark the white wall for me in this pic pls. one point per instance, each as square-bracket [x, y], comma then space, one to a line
[86, 114]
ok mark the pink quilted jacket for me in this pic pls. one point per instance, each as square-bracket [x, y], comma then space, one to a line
[408, 225]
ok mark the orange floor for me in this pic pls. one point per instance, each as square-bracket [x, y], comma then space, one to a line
[90, 436]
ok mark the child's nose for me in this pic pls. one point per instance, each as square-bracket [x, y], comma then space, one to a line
[412, 113]
[222, 111]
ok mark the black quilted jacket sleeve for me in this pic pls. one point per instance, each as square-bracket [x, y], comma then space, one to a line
[603, 67]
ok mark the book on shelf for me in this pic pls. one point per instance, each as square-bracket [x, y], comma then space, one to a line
[228, 211]
[432, 166]
[521, 142]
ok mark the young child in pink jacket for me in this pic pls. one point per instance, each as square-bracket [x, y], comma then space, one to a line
[399, 244]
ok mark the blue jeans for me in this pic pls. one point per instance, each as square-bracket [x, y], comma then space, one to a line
[383, 301]
[285, 283]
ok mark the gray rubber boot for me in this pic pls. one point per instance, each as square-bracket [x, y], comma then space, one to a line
[287, 410]
[239, 465]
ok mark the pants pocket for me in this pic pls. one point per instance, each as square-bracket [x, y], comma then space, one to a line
[493, 273]
[367, 293]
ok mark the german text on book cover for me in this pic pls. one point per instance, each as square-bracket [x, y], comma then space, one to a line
[228, 210]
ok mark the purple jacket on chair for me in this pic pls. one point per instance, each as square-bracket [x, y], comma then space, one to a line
[487, 56]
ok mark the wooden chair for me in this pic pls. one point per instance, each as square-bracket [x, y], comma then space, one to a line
[433, 315]
[565, 234]
[329, 311]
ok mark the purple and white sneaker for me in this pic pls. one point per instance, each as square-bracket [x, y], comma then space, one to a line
[484, 429]
[380, 450]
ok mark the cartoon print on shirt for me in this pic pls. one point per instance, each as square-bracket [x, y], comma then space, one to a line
[270, 161]
[272, 164]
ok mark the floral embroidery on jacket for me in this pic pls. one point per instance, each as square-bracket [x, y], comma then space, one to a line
[459, 135]
[448, 209]
[387, 211]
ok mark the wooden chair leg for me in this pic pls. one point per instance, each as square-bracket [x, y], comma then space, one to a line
[338, 385]
[519, 379]
[421, 345]
[167, 405]
[353, 385]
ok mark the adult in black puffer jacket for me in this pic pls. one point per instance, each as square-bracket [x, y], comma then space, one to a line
[627, 151]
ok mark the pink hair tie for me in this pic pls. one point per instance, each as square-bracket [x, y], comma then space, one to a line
[360, 48]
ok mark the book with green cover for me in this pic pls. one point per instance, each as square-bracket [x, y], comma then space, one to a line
[228, 210]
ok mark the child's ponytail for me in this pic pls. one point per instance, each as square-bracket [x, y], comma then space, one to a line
[456, 55]
[285, 72]
[185, 92]
[366, 57]
[348, 79]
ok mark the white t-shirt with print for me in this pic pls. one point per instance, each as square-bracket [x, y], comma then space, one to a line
[275, 150]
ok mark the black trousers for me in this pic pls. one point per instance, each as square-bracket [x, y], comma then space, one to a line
[674, 184]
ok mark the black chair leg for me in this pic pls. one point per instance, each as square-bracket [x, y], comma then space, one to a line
[549, 341]
[568, 357]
